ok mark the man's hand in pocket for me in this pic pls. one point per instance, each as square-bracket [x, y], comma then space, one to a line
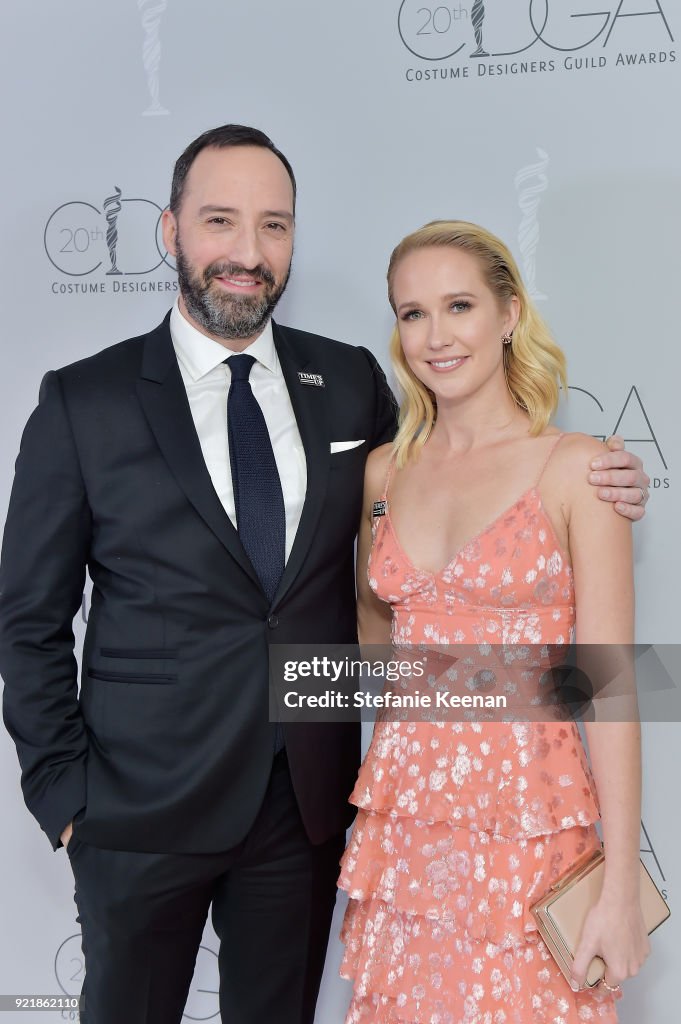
[66, 834]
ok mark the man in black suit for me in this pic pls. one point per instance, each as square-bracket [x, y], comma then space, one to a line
[208, 476]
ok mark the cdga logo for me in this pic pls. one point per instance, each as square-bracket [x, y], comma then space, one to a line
[122, 236]
[495, 29]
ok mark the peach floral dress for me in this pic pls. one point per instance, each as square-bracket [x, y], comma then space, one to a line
[463, 825]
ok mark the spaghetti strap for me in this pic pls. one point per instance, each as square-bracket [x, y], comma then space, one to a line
[548, 457]
[388, 476]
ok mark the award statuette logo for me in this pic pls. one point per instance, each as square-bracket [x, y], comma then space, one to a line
[151, 11]
[112, 208]
[530, 182]
[478, 20]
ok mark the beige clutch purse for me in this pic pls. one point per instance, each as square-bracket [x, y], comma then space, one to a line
[561, 913]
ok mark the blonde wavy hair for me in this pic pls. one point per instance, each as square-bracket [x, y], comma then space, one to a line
[535, 367]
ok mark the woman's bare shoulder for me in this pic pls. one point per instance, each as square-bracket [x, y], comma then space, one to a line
[376, 470]
[568, 471]
[576, 451]
[379, 458]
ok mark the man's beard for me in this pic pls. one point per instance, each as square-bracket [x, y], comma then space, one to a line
[224, 314]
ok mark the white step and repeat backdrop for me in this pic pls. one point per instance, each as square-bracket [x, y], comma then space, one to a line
[549, 121]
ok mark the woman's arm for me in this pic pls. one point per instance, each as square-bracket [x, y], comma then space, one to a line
[602, 561]
[373, 616]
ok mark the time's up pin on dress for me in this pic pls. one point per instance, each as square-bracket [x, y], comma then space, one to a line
[462, 826]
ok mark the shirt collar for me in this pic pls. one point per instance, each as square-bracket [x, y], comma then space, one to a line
[200, 354]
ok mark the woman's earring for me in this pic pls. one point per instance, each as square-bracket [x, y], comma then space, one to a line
[507, 339]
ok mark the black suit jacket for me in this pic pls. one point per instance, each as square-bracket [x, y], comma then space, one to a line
[168, 746]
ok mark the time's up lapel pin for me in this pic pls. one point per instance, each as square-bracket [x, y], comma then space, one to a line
[314, 380]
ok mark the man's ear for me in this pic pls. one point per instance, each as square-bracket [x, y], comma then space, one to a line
[169, 229]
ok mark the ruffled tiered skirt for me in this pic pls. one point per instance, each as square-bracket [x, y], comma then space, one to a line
[458, 833]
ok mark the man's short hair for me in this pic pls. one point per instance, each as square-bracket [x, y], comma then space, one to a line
[225, 137]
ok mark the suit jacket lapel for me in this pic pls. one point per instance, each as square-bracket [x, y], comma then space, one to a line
[164, 400]
[310, 408]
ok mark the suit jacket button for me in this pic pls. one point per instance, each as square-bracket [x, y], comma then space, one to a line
[273, 622]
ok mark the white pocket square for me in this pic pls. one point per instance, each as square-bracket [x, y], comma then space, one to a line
[344, 446]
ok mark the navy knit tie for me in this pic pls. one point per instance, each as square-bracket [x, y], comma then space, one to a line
[258, 498]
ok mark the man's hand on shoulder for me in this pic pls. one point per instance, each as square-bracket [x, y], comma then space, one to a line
[620, 478]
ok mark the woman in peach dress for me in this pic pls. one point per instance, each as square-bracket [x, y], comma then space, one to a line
[489, 535]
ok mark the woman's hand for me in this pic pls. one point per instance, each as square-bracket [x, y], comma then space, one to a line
[614, 930]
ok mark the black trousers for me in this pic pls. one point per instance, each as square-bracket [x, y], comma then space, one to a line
[142, 917]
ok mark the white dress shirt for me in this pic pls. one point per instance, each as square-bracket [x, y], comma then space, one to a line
[207, 381]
